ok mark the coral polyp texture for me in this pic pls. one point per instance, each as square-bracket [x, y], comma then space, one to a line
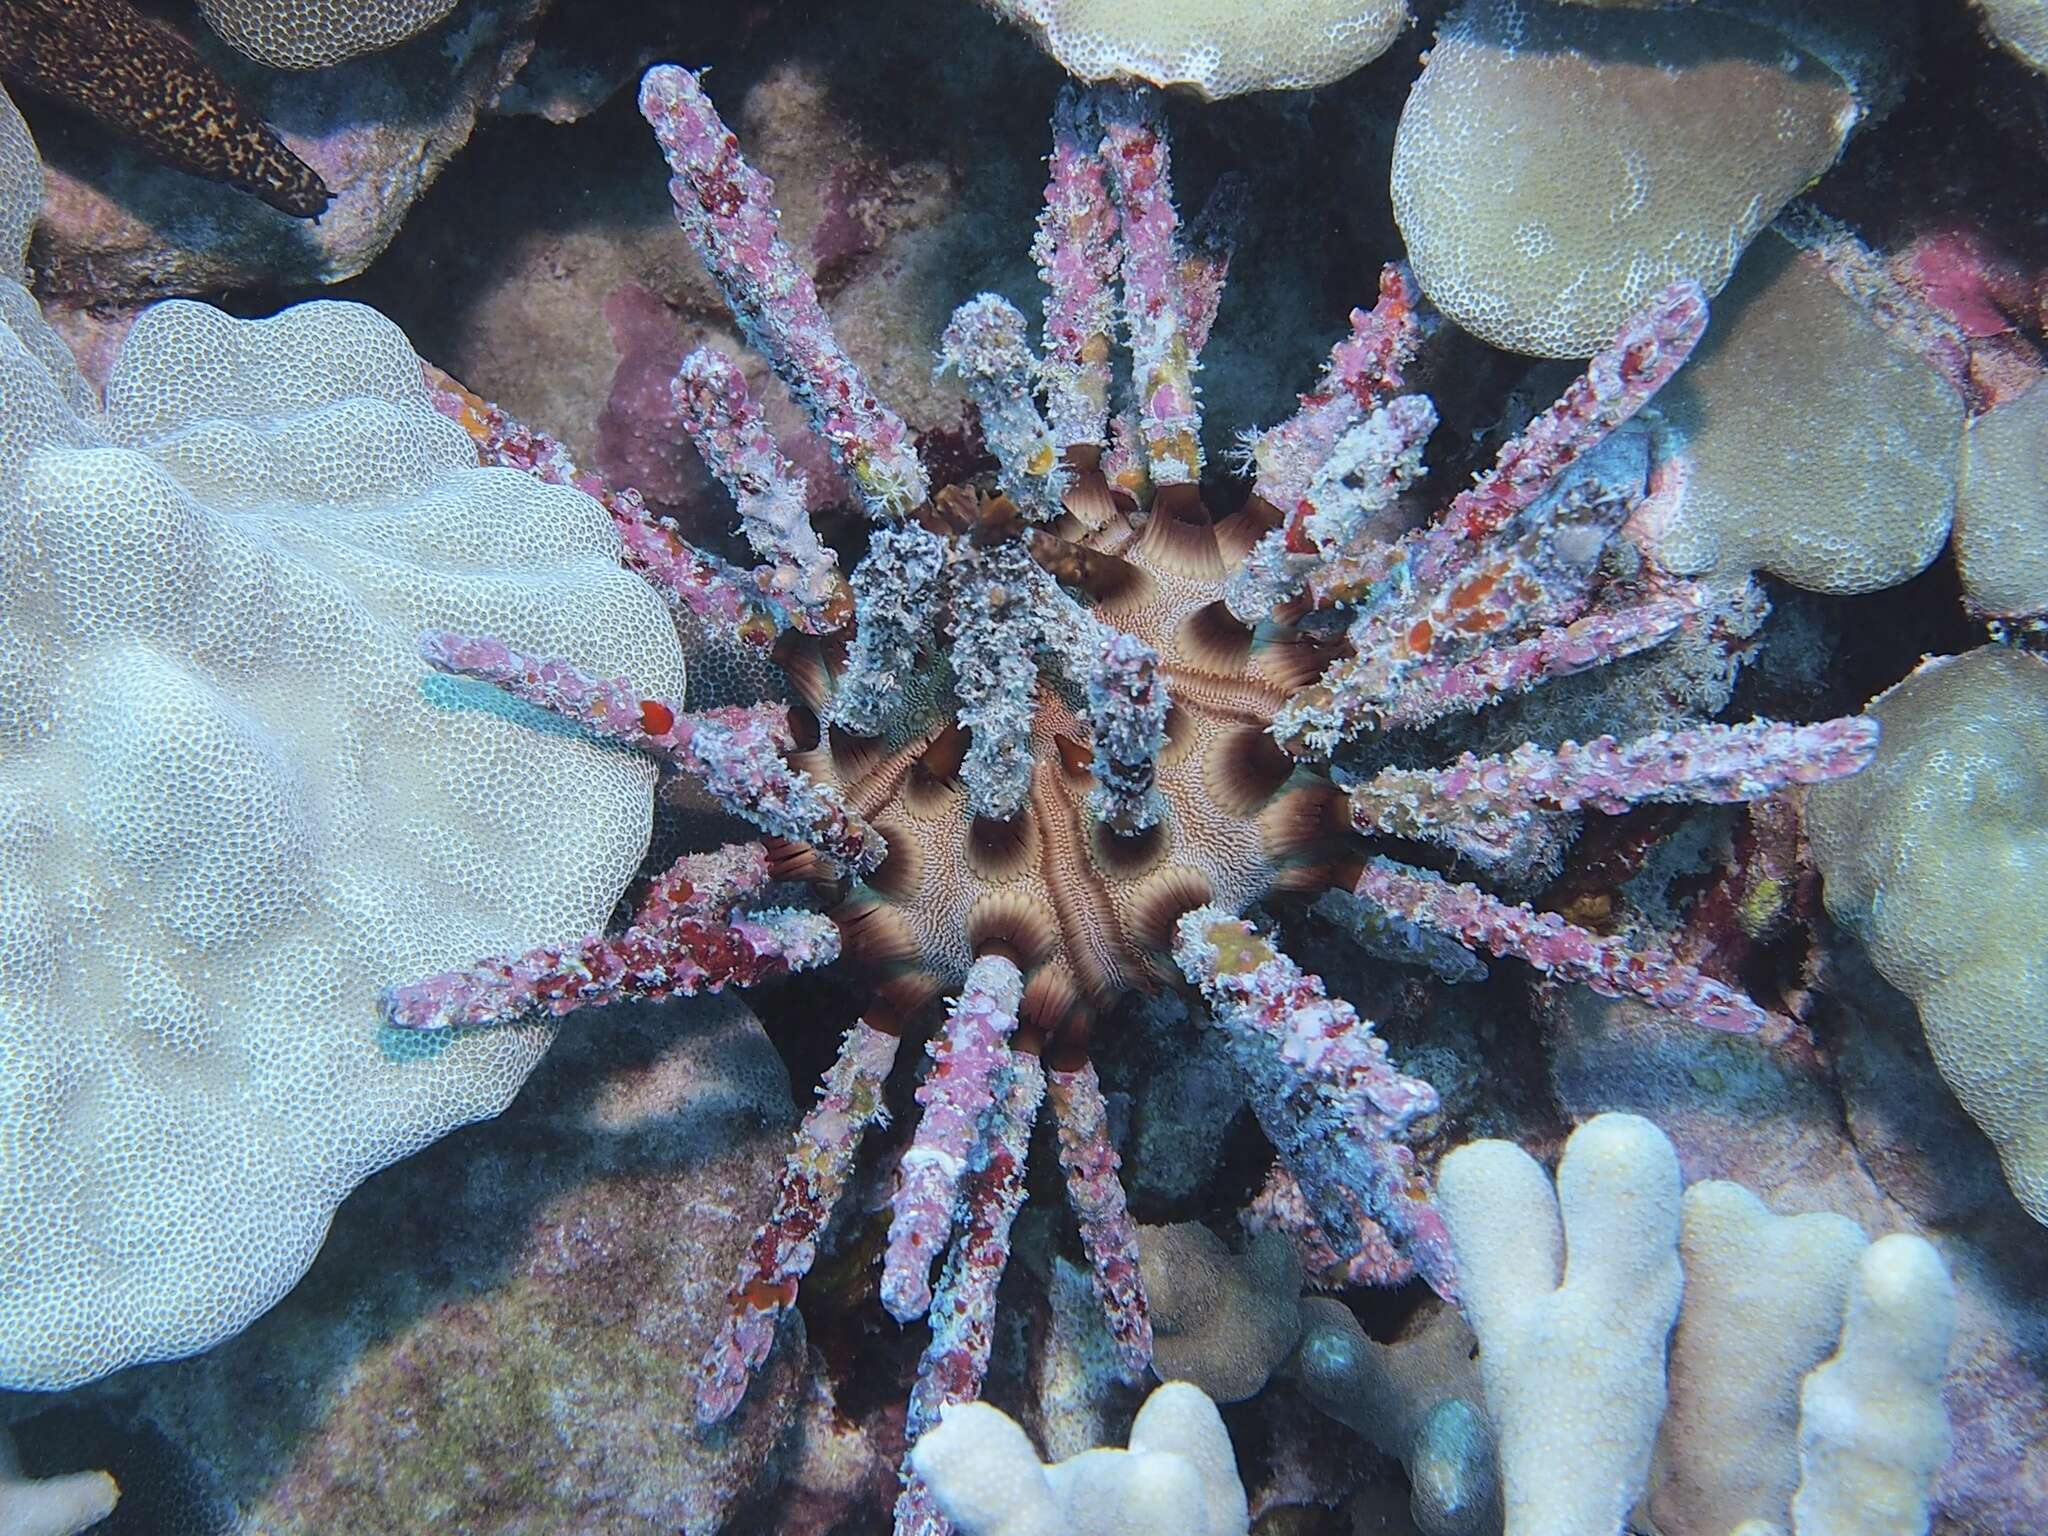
[2021, 26]
[1938, 856]
[1556, 165]
[230, 811]
[1079, 725]
[2001, 505]
[1215, 47]
[1809, 445]
[307, 34]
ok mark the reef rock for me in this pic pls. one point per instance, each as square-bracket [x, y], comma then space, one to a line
[121, 229]
[501, 1334]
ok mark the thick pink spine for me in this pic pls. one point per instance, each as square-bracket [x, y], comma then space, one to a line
[1160, 311]
[736, 751]
[1325, 1092]
[1619, 381]
[1491, 599]
[1363, 374]
[727, 209]
[1477, 804]
[685, 576]
[1095, 1192]
[711, 397]
[1281, 1206]
[1436, 690]
[1351, 696]
[968, 1057]
[984, 344]
[963, 1315]
[783, 1250]
[1078, 256]
[681, 942]
[1565, 950]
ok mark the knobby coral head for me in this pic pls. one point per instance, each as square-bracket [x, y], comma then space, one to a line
[1078, 724]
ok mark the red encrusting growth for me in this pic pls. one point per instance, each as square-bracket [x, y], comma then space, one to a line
[1097, 1196]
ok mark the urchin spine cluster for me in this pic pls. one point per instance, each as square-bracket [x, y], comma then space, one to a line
[1499, 594]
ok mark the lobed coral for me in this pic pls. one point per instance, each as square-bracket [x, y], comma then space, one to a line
[231, 812]
[1216, 47]
[1221, 1320]
[1556, 165]
[1572, 1292]
[2000, 508]
[1936, 858]
[2021, 26]
[1418, 1399]
[308, 34]
[1177, 1478]
[1806, 443]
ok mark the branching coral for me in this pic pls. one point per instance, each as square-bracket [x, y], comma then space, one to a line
[1417, 1399]
[1571, 1292]
[51, 1506]
[1178, 1478]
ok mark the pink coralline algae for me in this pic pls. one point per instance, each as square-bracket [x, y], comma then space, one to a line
[727, 209]
[735, 752]
[1476, 805]
[968, 1058]
[753, 604]
[1556, 947]
[1034, 655]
